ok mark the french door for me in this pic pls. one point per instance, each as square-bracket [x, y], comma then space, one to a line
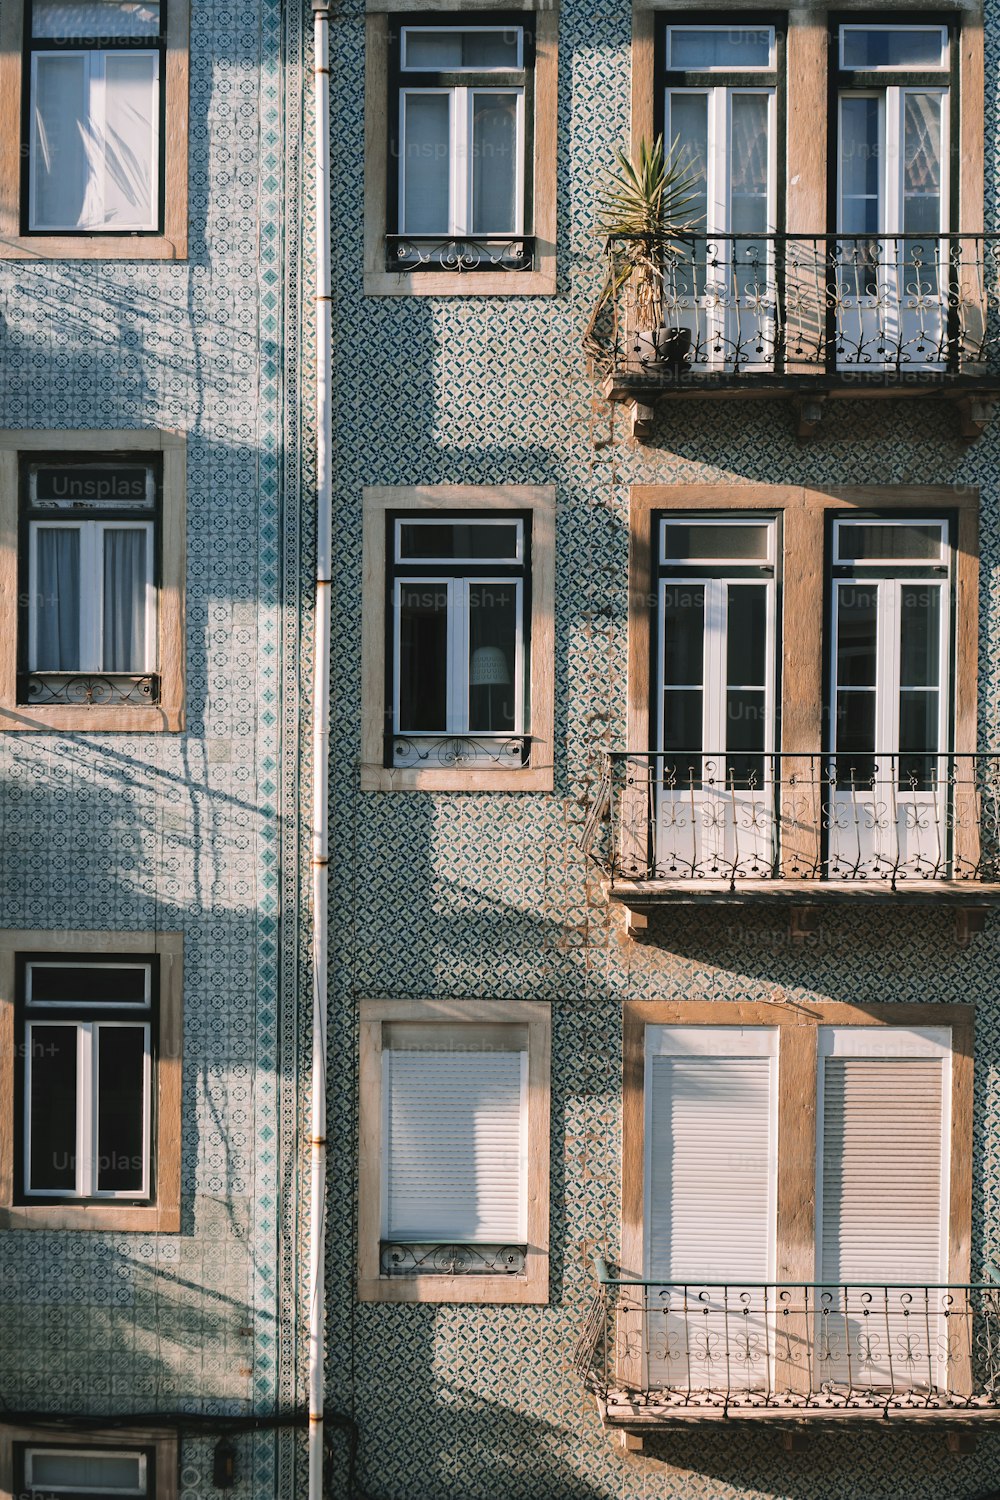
[722, 289]
[888, 781]
[713, 774]
[891, 262]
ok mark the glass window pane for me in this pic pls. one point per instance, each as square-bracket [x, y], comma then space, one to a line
[683, 635]
[912, 541]
[857, 635]
[922, 208]
[859, 167]
[80, 1470]
[120, 1108]
[746, 731]
[682, 729]
[749, 164]
[426, 163]
[494, 163]
[493, 542]
[111, 487]
[483, 49]
[493, 623]
[423, 658]
[746, 635]
[920, 635]
[918, 723]
[61, 171]
[129, 146]
[692, 541]
[52, 1108]
[694, 48]
[687, 123]
[125, 572]
[56, 598]
[68, 984]
[893, 46]
[855, 738]
[65, 19]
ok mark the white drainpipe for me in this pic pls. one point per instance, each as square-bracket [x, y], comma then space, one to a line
[320, 748]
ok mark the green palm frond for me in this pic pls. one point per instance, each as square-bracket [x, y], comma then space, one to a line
[650, 198]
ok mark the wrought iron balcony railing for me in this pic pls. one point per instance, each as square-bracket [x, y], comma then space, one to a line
[655, 1353]
[887, 820]
[896, 307]
[437, 252]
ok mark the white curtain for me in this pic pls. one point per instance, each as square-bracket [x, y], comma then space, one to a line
[56, 588]
[129, 147]
[124, 600]
[426, 164]
[59, 162]
[494, 156]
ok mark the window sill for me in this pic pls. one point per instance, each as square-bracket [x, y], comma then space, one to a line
[99, 717]
[533, 1287]
[151, 1219]
[378, 778]
[93, 247]
[540, 283]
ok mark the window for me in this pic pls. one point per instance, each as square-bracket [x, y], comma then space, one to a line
[96, 606]
[454, 1179]
[893, 194]
[51, 1464]
[780, 1148]
[95, 1082]
[460, 641]
[857, 759]
[718, 100]
[102, 90]
[463, 133]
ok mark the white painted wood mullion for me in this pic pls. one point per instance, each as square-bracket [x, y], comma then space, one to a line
[86, 1110]
[460, 108]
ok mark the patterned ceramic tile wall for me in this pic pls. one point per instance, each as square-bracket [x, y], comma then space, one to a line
[487, 895]
[183, 832]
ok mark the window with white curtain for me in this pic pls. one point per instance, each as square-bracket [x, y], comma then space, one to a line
[90, 543]
[458, 157]
[95, 70]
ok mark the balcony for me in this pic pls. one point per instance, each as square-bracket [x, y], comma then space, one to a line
[798, 830]
[810, 317]
[658, 1356]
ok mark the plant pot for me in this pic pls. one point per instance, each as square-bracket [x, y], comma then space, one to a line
[664, 348]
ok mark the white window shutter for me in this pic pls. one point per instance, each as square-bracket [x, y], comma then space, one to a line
[454, 1131]
[883, 1200]
[711, 1168]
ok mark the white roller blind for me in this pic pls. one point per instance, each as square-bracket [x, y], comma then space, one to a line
[454, 1132]
[883, 1197]
[711, 1167]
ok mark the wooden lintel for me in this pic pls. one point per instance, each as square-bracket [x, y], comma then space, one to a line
[968, 921]
[642, 418]
[974, 414]
[808, 415]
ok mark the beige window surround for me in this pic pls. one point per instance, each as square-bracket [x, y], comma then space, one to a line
[164, 1215]
[803, 514]
[798, 1025]
[171, 244]
[537, 775]
[450, 1016]
[168, 714]
[538, 282]
[807, 101]
[162, 1439]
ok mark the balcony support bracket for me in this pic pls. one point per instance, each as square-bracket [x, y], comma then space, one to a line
[636, 922]
[804, 923]
[968, 921]
[974, 414]
[808, 415]
[641, 419]
[961, 1439]
[632, 1442]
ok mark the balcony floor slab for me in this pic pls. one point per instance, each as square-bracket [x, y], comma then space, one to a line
[643, 895]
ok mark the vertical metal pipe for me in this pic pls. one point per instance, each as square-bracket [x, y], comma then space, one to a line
[320, 747]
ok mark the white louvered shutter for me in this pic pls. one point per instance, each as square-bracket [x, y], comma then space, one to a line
[711, 1174]
[883, 1197]
[455, 1146]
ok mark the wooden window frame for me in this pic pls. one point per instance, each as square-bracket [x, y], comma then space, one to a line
[541, 280]
[798, 1026]
[162, 1215]
[807, 99]
[451, 1016]
[171, 242]
[168, 713]
[537, 774]
[163, 1440]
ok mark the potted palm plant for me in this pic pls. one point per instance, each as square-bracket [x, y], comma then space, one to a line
[643, 216]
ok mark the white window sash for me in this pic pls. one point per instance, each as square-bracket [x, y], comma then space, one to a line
[942, 32]
[95, 123]
[404, 66]
[458, 663]
[718, 166]
[116, 1005]
[91, 588]
[417, 521]
[461, 155]
[891, 142]
[87, 1102]
[85, 1453]
[767, 67]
